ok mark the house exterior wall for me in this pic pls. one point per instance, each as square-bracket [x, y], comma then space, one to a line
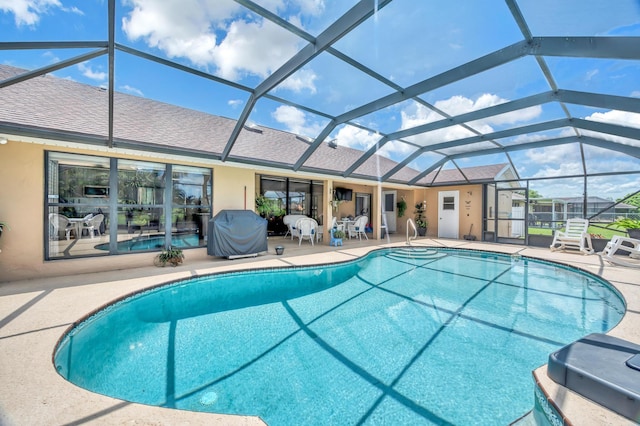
[470, 208]
[236, 190]
[234, 187]
[22, 208]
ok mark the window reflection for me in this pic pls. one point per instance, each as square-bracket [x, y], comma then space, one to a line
[80, 206]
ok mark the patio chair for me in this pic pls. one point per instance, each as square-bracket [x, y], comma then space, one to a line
[61, 223]
[358, 228]
[92, 225]
[624, 244]
[336, 225]
[306, 228]
[290, 221]
[575, 236]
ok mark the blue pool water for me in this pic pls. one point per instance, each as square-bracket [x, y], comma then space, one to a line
[154, 241]
[441, 337]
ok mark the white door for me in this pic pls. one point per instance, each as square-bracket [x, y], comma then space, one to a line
[448, 214]
[517, 229]
[389, 209]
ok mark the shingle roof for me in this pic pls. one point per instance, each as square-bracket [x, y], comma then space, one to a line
[68, 107]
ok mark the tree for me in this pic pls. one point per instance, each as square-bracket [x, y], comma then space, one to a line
[632, 198]
[534, 194]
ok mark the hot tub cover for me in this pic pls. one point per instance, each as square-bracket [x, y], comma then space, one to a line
[237, 233]
[601, 368]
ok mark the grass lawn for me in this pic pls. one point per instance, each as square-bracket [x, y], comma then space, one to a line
[603, 232]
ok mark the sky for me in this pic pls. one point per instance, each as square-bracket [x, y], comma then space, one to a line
[405, 42]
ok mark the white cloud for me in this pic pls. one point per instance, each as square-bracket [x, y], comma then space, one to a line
[132, 90]
[396, 150]
[73, 10]
[311, 7]
[235, 103]
[303, 79]
[296, 121]
[210, 33]
[623, 118]
[591, 74]
[456, 105]
[554, 154]
[417, 115]
[355, 137]
[88, 72]
[28, 12]
[617, 117]
[51, 57]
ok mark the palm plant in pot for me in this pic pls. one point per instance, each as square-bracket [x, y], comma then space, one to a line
[631, 225]
[171, 255]
[421, 219]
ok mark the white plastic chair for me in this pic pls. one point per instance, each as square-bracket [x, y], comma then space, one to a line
[623, 244]
[93, 225]
[575, 236]
[358, 228]
[290, 220]
[336, 225]
[61, 223]
[306, 228]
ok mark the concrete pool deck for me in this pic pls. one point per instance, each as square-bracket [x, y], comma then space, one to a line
[35, 313]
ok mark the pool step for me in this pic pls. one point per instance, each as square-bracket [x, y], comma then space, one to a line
[413, 253]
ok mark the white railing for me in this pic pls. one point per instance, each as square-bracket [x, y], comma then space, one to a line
[415, 231]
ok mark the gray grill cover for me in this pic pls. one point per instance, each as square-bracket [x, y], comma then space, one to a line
[236, 233]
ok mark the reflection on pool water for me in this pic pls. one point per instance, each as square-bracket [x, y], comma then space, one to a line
[398, 337]
[154, 241]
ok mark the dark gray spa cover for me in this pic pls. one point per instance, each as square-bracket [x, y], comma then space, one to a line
[603, 368]
[236, 233]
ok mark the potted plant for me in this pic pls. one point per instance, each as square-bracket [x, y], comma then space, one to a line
[338, 233]
[631, 225]
[170, 255]
[421, 220]
[267, 207]
[401, 206]
[336, 237]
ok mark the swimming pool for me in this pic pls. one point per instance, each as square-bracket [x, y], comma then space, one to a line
[433, 337]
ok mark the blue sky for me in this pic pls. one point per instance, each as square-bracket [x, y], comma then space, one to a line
[405, 42]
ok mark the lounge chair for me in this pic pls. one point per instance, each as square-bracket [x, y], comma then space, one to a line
[575, 236]
[623, 244]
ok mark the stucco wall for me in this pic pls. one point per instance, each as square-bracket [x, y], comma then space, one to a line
[233, 189]
[22, 208]
[470, 208]
[22, 198]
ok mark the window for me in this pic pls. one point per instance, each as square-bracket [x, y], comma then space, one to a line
[191, 206]
[76, 191]
[290, 196]
[82, 204]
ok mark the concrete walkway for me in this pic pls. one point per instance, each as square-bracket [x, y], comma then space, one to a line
[35, 313]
